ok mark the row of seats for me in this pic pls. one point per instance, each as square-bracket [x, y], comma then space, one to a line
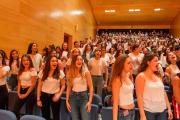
[64, 113]
[7, 115]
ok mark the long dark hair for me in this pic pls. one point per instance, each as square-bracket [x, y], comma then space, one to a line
[46, 70]
[117, 53]
[86, 48]
[11, 59]
[165, 54]
[3, 58]
[22, 66]
[4, 54]
[117, 69]
[62, 49]
[147, 57]
[30, 47]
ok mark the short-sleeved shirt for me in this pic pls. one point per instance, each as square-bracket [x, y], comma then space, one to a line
[3, 80]
[25, 78]
[97, 66]
[51, 85]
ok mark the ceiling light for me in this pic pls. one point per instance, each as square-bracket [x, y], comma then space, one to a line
[112, 10]
[137, 9]
[157, 9]
[131, 9]
[76, 12]
[56, 14]
[163, 8]
[107, 10]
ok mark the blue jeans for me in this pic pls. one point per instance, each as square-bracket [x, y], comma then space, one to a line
[156, 116]
[78, 102]
[97, 82]
[130, 116]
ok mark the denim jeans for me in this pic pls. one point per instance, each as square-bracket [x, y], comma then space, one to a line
[30, 101]
[13, 81]
[3, 96]
[130, 116]
[46, 100]
[156, 116]
[78, 102]
[97, 82]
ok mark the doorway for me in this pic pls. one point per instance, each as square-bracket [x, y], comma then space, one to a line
[68, 40]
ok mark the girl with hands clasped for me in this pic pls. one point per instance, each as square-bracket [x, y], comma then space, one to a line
[78, 79]
[4, 90]
[151, 96]
[50, 80]
[122, 89]
[26, 82]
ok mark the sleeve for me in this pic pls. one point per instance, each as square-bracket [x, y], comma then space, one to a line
[40, 57]
[40, 75]
[6, 68]
[90, 63]
[61, 76]
[104, 63]
[33, 73]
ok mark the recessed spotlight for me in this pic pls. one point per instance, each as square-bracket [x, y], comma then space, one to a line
[107, 10]
[112, 10]
[163, 8]
[137, 9]
[157, 9]
[131, 9]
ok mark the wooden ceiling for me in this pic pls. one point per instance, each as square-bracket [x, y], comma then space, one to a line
[146, 15]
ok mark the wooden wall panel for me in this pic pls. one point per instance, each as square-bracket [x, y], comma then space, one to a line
[175, 26]
[43, 22]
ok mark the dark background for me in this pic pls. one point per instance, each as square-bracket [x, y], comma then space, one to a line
[133, 30]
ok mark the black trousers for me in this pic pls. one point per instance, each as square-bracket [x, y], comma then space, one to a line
[30, 101]
[3, 96]
[46, 100]
[13, 81]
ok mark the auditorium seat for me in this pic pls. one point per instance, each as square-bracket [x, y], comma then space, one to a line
[106, 113]
[31, 117]
[94, 112]
[7, 115]
[11, 101]
[97, 101]
[64, 113]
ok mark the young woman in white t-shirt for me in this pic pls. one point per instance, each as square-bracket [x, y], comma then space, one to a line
[111, 55]
[4, 90]
[64, 55]
[122, 89]
[105, 57]
[78, 79]
[60, 64]
[172, 69]
[14, 65]
[50, 80]
[26, 82]
[151, 96]
[35, 56]
[136, 58]
[96, 66]
[74, 52]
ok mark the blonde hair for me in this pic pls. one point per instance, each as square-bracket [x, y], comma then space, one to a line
[72, 72]
[71, 55]
[117, 69]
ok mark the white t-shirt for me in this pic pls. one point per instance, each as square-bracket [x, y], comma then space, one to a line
[69, 62]
[97, 66]
[14, 69]
[134, 60]
[88, 56]
[51, 85]
[79, 84]
[25, 78]
[106, 58]
[3, 80]
[36, 60]
[111, 57]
